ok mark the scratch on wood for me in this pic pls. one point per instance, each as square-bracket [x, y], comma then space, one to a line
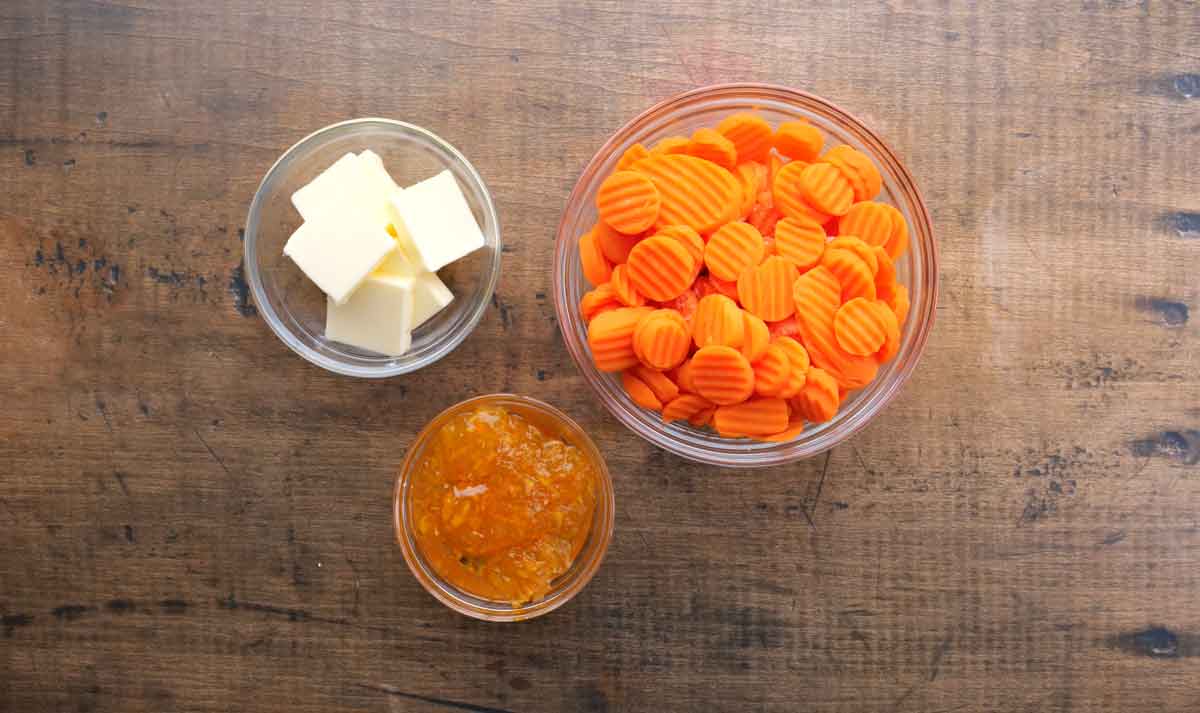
[935, 665]
[212, 453]
[820, 485]
[444, 702]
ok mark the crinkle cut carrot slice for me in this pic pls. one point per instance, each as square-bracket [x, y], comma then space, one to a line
[722, 375]
[623, 289]
[850, 371]
[855, 245]
[641, 394]
[891, 341]
[685, 406]
[610, 337]
[785, 327]
[712, 146]
[660, 268]
[858, 168]
[669, 145]
[613, 244]
[824, 187]
[795, 352]
[868, 220]
[818, 401]
[793, 431]
[596, 268]
[859, 326]
[752, 175]
[756, 417]
[684, 304]
[690, 240]
[661, 340]
[750, 133]
[628, 202]
[757, 337]
[682, 375]
[771, 371]
[632, 155]
[885, 276]
[787, 196]
[732, 249]
[801, 241]
[900, 304]
[766, 290]
[718, 321]
[852, 273]
[898, 241]
[694, 192]
[596, 300]
[817, 294]
[664, 389]
[702, 418]
[799, 140]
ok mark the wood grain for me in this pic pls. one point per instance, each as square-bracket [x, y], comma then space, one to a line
[196, 519]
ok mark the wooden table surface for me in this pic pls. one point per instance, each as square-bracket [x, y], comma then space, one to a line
[194, 518]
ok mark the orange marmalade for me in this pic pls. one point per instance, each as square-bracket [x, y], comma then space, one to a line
[500, 507]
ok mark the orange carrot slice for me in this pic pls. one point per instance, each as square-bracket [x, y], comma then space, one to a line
[632, 155]
[766, 290]
[712, 146]
[660, 268]
[885, 276]
[771, 371]
[664, 389]
[596, 268]
[641, 394]
[669, 145]
[852, 273]
[785, 327]
[596, 300]
[732, 249]
[702, 418]
[764, 218]
[801, 240]
[795, 352]
[750, 133]
[752, 175]
[628, 202]
[757, 337]
[682, 375]
[722, 375]
[615, 245]
[818, 401]
[690, 240]
[793, 431]
[891, 341]
[718, 321]
[685, 406]
[824, 187]
[900, 304]
[623, 289]
[787, 196]
[817, 294]
[855, 245]
[858, 168]
[859, 326]
[756, 417]
[898, 241]
[868, 220]
[799, 140]
[610, 337]
[661, 340]
[694, 192]
[850, 371]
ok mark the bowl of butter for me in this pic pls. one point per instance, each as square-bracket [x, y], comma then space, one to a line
[372, 248]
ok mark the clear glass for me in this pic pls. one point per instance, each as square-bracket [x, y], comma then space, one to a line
[683, 114]
[294, 307]
[563, 589]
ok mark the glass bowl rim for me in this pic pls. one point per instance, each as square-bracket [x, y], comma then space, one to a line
[782, 453]
[465, 603]
[451, 340]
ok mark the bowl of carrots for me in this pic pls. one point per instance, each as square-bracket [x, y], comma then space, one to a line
[745, 275]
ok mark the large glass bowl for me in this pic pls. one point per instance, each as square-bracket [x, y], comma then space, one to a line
[294, 307]
[680, 115]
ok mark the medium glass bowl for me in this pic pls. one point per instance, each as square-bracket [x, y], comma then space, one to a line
[681, 115]
[551, 421]
[294, 307]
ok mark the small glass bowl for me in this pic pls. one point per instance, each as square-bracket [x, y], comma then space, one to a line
[681, 115]
[294, 307]
[563, 589]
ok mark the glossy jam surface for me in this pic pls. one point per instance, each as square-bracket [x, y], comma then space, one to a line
[501, 506]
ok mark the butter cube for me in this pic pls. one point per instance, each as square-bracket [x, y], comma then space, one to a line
[430, 296]
[438, 221]
[353, 185]
[379, 317]
[338, 256]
